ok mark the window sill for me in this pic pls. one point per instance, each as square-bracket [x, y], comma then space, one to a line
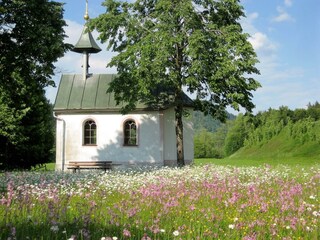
[128, 145]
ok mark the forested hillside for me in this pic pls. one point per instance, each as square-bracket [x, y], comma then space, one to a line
[276, 133]
[273, 133]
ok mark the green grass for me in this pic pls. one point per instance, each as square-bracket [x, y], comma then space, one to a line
[255, 162]
[44, 167]
[50, 166]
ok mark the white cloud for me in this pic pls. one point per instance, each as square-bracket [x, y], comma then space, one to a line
[281, 84]
[253, 16]
[261, 42]
[247, 22]
[283, 16]
[288, 3]
[73, 31]
[291, 92]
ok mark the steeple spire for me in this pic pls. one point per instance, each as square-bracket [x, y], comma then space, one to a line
[86, 15]
[86, 45]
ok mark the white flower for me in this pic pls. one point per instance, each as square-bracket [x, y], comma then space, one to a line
[235, 219]
[315, 213]
[114, 238]
[73, 237]
[176, 233]
[231, 226]
[287, 227]
[162, 230]
[312, 197]
[54, 228]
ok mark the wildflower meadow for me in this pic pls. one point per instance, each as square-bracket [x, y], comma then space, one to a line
[197, 202]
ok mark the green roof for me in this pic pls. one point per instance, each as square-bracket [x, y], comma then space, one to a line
[86, 43]
[76, 94]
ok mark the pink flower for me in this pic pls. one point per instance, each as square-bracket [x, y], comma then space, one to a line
[126, 233]
[145, 237]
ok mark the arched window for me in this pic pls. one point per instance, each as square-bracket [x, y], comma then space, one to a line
[90, 133]
[130, 133]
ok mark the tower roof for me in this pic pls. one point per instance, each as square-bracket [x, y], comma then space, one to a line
[86, 43]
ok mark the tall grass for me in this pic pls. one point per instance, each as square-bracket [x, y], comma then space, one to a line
[200, 202]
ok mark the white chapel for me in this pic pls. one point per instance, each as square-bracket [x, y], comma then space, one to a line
[90, 127]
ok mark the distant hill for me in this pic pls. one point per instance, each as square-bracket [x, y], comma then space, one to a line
[207, 122]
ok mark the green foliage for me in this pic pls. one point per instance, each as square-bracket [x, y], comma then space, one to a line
[276, 134]
[206, 145]
[300, 124]
[269, 134]
[31, 41]
[237, 134]
[305, 130]
[209, 135]
[269, 124]
[165, 45]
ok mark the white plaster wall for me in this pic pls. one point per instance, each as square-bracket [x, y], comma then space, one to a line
[156, 139]
[59, 144]
[110, 139]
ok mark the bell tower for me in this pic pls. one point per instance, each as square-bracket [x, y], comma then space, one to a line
[86, 45]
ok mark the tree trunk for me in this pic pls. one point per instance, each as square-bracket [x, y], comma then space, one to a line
[179, 135]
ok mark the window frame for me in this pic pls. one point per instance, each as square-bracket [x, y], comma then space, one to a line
[124, 129]
[91, 130]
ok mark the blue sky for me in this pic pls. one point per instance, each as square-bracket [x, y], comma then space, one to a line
[284, 33]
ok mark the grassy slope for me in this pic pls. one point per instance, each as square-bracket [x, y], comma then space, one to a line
[277, 151]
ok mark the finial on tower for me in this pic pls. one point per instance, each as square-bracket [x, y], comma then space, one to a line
[86, 45]
[86, 15]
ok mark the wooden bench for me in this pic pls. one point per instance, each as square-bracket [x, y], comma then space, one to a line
[77, 165]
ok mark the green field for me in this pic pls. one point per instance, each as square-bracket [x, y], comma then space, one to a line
[255, 162]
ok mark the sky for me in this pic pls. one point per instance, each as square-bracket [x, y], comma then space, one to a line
[284, 33]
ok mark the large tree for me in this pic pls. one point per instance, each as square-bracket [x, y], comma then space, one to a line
[168, 46]
[31, 40]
